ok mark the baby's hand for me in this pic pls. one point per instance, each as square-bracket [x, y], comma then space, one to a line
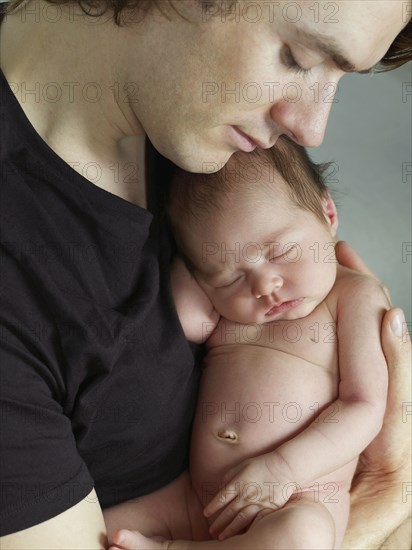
[255, 487]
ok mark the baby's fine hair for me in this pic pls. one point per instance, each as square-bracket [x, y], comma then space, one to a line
[192, 196]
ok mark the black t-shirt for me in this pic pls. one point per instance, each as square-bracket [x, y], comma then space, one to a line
[98, 384]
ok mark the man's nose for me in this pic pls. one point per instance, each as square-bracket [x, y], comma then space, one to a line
[266, 283]
[305, 120]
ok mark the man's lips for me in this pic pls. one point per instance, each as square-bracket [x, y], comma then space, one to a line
[246, 142]
[283, 306]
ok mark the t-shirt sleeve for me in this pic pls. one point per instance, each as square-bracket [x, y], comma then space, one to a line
[41, 471]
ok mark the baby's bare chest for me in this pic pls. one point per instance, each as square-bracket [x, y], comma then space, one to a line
[269, 367]
[312, 339]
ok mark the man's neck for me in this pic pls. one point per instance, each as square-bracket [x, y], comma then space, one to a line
[75, 99]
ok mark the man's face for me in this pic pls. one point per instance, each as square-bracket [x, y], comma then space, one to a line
[261, 258]
[232, 82]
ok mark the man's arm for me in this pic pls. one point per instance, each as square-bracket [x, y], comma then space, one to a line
[78, 528]
[196, 312]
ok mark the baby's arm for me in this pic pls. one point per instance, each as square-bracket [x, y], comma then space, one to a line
[339, 434]
[196, 312]
[348, 425]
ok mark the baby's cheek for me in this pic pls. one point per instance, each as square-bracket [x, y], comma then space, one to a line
[240, 308]
[235, 309]
[326, 275]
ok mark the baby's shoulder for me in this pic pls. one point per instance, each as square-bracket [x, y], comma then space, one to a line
[348, 279]
[353, 286]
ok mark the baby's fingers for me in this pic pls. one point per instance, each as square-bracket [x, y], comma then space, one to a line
[242, 520]
[222, 499]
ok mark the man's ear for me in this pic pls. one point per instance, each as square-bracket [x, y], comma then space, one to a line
[330, 212]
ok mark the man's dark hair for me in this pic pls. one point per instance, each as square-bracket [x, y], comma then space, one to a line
[398, 54]
[124, 11]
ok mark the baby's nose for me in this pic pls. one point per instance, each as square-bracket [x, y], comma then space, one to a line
[266, 285]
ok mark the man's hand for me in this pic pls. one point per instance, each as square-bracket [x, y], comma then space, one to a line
[381, 491]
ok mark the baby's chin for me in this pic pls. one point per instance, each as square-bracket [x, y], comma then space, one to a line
[300, 311]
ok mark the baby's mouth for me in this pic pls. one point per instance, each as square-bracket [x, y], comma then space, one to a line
[283, 306]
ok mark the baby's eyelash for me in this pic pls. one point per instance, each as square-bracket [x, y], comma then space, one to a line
[228, 284]
[291, 63]
[284, 254]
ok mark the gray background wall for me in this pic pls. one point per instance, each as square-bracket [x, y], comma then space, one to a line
[369, 137]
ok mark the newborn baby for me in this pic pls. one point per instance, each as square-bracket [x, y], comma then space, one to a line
[294, 381]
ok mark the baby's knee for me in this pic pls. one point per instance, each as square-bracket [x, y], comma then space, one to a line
[309, 526]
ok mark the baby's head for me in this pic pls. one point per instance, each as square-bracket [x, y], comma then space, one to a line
[259, 234]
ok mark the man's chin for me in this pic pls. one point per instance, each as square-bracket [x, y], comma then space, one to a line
[199, 159]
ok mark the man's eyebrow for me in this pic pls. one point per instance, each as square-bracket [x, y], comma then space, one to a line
[331, 48]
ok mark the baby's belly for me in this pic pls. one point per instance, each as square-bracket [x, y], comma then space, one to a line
[251, 400]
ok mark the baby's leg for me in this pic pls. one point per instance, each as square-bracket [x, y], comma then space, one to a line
[172, 512]
[304, 524]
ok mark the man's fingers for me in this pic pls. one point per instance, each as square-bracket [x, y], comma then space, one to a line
[390, 450]
[396, 344]
[384, 467]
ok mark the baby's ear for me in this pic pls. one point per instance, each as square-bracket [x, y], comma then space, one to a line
[330, 212]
